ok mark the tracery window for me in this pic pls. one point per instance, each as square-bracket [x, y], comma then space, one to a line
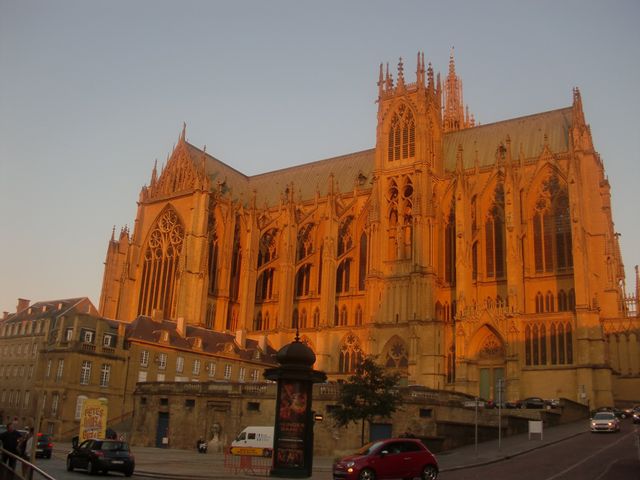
[303, 319]
[402, 135]
[351, 355]
[303, 277]
[396, 356]
[539, 303]
[264, 285]
[305, 242]
[345, 236]
[561, 343]
[535, 345]
[562, 301]
[400, 218]
[549, 303]
[343, 274]
[159, 270]
[494, 235]
[362, 262]
[267, 247]
[551, 228]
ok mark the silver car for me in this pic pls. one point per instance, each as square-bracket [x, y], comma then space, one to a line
[605, 422]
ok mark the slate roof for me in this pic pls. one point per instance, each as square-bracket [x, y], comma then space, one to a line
[147, 330]
[52, 308]
[526, 134]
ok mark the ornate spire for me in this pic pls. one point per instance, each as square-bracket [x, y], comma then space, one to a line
[154, 174]
[578, 113]
[455, 117]
[400, 74]
[380, 83]
[183, 136]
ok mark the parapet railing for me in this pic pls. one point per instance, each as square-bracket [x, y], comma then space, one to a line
[21, 470]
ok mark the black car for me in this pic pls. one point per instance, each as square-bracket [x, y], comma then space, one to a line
[532, 402]
[44, 446]
[102, 456]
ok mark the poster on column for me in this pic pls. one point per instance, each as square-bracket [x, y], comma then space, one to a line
[93, 420]
[294, 406]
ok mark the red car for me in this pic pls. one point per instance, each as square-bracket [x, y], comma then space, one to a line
[391, 458]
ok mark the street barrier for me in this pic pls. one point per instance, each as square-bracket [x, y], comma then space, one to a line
[247, 464]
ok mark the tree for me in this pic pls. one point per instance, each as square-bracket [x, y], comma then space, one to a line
[371, 392]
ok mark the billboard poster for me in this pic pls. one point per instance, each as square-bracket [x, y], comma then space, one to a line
[93, 420]
[292, 415]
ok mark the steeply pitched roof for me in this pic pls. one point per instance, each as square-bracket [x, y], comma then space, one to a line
[147, 330]
[53, 308]
[527, 134]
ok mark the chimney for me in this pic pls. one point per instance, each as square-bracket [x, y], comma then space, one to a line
[22, 304]
[5, 315]
[241, 338]
[181, 327]
[262, 343]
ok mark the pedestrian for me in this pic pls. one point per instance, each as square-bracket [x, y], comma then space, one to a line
[26, 448]
[9, 440]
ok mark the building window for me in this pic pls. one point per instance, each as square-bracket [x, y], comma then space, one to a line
[227, 372]
[316, 317]
[450, 248]
[60, 370]
[107, 341]
[539, 303]
[494, 235]
[561, 343]
[144, 358]
[105, 373]
[536, 345]
[79, 404]
[159, 270]
[48, 372]
[54, 404]
[142, 376]
[211, 369]
[351, 355]
[196, 367]
[85, 372]
[69, 334]
[179, 364]
[253, 406]
[25, 403]
[254, 375]
[160, 377]
[87, 336]
[358, 316]
[303, 277]
[343, 275]
[162, 361]
[190, 402]
[549, 305]
[241, 373]
[402, 135]
[343, 316]
[362, 262]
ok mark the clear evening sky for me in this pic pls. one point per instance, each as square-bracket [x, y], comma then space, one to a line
[91, 93]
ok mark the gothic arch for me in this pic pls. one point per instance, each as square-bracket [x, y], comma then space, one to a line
[161, 263]
[395, 354]
[351, 353]
[486, 342]
[399, 132]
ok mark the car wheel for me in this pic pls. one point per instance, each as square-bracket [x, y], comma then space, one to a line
[429, 472]
[91, 468]
[128, 473]
[367, 474]
[69, 465]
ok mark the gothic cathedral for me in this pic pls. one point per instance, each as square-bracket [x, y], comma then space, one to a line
[465, 256]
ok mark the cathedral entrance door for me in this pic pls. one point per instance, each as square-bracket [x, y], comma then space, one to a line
[489, 382]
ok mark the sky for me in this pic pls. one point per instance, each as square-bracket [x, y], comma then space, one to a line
[93, 92]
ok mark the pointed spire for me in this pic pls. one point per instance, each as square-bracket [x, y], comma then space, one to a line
[430, 76]
[380, 83]
[113, 234]
[578, 113]
[400, 74]
[183, 136]
[154, 174]
[452, 63]
[388, 79]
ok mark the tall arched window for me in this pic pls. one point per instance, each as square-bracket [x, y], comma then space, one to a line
[358, 316]
[362, 262]
[351, 355]
[303, 278]
[294, 319]
[539, 303]
[562, 301]
[159, 270]
[345, 236]
[494, 235]
[342, 276]
[344, 319]
[213, 261]
[316, 317]
[303, 319]
[305, 242]
[402, 135]
[551, 228]
[549, 303]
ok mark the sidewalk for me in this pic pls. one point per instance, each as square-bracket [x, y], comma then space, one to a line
[189, 464]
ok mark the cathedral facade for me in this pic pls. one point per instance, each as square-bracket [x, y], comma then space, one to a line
[473, 258]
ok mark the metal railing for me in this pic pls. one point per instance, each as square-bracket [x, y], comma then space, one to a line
[14, 467]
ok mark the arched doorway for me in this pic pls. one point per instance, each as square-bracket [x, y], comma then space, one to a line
[490, 361]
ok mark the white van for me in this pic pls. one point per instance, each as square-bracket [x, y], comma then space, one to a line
[254, 441]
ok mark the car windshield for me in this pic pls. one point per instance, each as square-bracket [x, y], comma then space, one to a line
[603, 416]
[367, 448]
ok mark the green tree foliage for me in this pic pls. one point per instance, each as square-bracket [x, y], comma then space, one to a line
[371, 392]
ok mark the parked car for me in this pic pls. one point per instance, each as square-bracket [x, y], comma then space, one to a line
[605, 422]
[636, 416]
[616, 411]
[102, 456]
[391, 458]
[44, 446]
[531, 402]
[552, 403]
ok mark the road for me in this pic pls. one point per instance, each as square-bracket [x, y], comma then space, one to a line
[590, 456]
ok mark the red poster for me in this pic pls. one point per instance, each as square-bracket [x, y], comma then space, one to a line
[294, 405]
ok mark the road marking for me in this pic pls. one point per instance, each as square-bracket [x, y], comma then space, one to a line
[557, 475]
